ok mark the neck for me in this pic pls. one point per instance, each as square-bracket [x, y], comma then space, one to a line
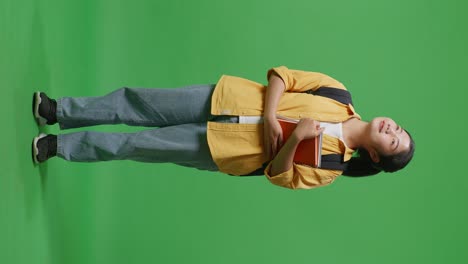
[354, 131]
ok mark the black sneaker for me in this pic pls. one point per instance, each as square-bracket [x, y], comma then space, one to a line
[44, 109]
[44, 147]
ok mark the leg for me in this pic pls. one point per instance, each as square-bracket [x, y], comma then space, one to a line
[185, 145]
[138, 107]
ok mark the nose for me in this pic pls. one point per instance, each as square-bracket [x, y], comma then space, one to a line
[389, 130]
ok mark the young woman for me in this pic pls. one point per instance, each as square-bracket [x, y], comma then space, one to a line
[229, 127]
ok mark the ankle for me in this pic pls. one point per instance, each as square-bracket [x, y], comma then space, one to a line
[53, 111]
[53, 145]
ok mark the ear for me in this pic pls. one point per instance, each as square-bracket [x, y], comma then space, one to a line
[374, 155]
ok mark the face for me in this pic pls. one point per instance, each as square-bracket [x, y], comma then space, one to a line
[387, 137]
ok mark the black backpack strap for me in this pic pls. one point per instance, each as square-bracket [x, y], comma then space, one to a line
[340, 95]
[259, 171]
[333, 162]
[329, 162]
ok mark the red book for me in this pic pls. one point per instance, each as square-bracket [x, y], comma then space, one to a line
[309, 151]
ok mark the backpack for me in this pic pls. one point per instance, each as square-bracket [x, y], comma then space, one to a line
[330, 161]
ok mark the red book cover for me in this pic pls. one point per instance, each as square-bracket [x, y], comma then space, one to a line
[309, 151]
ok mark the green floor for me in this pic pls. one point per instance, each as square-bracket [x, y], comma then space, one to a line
[404, 59]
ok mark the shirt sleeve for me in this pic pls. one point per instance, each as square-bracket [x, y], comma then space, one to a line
[302, 177]
[301, 81]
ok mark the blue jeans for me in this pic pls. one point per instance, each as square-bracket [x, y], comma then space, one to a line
[180, 114]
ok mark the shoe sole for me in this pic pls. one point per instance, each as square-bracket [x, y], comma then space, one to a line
[41, 121]
[35, 150]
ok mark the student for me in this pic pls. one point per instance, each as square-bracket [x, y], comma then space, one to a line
[229, 127]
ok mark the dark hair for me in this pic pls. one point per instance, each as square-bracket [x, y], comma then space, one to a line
[364, 166]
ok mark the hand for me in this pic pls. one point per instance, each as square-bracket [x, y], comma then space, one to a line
[272, 137]
[307, 128]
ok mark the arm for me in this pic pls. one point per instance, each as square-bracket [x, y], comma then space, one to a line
[296, 81]
[306, 128]
[272, 133]
[284, 160]
[298, 176]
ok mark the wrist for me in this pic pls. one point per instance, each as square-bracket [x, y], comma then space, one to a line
[296, 137]
[269, 116]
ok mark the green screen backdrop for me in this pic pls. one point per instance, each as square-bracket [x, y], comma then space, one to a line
[403, 59]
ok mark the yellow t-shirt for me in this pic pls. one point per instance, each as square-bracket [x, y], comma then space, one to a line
[238, 148]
